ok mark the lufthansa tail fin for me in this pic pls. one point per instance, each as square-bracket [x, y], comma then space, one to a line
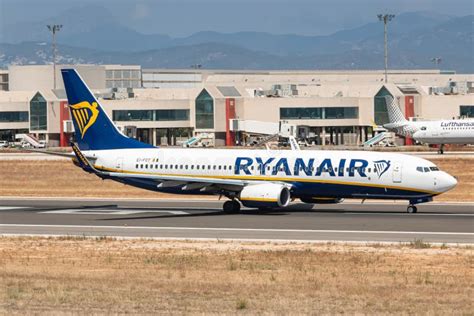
[94, 130]
[395, 115]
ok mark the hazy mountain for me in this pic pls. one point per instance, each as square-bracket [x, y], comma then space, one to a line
[87, 26]
[415, 38]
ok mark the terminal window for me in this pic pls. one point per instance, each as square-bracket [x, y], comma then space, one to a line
[14, 116]
[38, 113]
[466, 110]
[150, 115]
[315, 113]
[204, 110]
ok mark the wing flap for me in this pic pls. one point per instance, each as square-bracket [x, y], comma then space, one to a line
[177, 179]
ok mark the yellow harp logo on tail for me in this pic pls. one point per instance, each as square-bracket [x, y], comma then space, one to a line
[85, 115]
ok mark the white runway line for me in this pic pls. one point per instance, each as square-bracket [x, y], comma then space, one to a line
[8, 208]
[109, 212]
[241, 229]
[402, 213]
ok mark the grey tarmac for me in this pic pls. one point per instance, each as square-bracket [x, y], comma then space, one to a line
[203, 219]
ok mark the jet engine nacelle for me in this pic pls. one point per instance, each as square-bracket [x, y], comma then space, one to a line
[265, 195]
[316, 200]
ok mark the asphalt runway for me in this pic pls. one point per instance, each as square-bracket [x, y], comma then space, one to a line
[203, 219]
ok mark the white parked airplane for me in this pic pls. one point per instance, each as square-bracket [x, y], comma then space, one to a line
[253, 178]
[429, 132]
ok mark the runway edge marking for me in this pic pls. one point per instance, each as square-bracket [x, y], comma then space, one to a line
[276, 241]
[243, 229]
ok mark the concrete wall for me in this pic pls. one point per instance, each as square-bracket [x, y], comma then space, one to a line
[136, 104]
[435, 107]
[12, 102]
[40, 77]
[268, 109]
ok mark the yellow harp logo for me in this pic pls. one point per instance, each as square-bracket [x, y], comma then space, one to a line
[85, 114]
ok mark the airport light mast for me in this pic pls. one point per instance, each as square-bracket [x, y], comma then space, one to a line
[54, 28]
[385, 18]
[436, 61]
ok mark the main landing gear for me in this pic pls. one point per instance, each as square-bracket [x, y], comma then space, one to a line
[412, 209]
[231, 207]
[441, 149]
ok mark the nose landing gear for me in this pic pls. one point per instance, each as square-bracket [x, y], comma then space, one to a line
[412, 209]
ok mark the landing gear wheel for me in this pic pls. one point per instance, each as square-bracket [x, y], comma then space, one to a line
[231, 207]
[412, 209]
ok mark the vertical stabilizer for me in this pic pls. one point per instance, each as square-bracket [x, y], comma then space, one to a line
[94, 130]
[395, 115]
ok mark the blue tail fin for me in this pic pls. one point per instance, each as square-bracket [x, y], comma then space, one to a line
[93, 128]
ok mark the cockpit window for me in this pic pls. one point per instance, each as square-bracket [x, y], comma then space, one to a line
[426, 169]
[419, 169]
[423, 128]
[434, 168]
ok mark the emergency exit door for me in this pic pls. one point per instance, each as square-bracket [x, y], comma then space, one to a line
[397, 172]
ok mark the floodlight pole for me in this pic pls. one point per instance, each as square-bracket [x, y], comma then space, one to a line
[385, 18]
[436, 61]
[54, 28]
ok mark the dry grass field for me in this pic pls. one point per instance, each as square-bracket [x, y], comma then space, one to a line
[60, 178]
[97, 276]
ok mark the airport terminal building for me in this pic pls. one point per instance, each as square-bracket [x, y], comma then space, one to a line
[226, 107]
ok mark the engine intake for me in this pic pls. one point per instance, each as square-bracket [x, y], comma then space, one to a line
[265, 195]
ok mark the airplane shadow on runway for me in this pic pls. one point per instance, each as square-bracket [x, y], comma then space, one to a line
[202, 212]
[272, 212]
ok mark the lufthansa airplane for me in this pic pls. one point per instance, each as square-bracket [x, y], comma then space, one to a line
[252, 178]
[430, 132]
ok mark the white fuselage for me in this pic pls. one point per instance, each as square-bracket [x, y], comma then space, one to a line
[445, 132]
[310, 173]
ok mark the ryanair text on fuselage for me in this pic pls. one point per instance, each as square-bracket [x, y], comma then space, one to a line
[341, 168]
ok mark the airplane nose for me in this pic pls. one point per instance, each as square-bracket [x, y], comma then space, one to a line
[447, 182]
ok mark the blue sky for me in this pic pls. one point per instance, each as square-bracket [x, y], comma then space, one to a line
[184, 17]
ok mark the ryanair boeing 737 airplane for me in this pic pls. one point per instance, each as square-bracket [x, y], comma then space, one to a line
[252, 178]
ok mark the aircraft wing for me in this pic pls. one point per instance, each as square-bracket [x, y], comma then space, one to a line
[177, 179]
[189, 182]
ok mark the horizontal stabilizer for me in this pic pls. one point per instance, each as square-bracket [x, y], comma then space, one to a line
[56, 153]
